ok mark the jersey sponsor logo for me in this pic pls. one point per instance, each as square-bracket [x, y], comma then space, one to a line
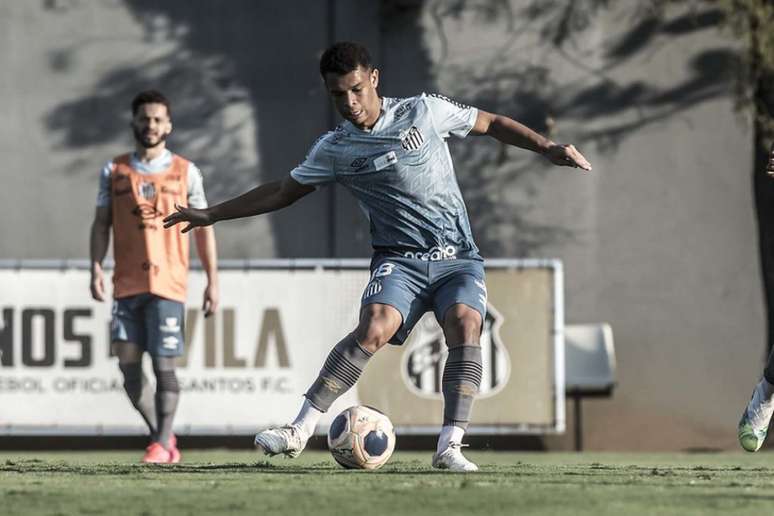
[145, 211]
[424, 360]
[413, 139]
[385, 160]
[450, 101]
[358, 162]
[401, 111]
[435, 254]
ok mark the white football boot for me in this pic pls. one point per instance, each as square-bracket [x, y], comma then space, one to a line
[453, 459]
[755, 420]
[288, 440]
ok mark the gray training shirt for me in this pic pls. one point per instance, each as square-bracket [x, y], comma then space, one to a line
[402, 174]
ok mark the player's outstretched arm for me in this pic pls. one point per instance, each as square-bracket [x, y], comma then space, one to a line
[511, 132]
[262, 199]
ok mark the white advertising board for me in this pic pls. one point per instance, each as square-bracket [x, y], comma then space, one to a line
[248, 366]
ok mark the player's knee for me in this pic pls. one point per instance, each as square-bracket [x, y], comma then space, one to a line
[166, 381]
[462, 326]
[372, 336]
[378, 323]
[132, 372]
[166, 378]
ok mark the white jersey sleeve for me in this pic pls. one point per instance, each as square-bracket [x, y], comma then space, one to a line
[196, 197]
[317, 168]
[103, 192]
[450, 116]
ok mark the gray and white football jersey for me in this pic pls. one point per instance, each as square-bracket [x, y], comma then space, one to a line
[402, 174]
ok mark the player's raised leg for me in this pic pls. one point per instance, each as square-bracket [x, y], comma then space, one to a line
[341, 370]
[756, 417]
[460, 383]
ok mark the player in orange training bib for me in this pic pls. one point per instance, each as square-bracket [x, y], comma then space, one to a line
[136, 191]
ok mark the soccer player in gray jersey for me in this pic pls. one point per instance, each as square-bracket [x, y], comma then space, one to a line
[392, 155]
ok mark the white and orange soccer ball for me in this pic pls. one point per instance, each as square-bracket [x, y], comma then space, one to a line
[361, 437]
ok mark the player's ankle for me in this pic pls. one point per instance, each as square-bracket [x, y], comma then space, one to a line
[449, 434]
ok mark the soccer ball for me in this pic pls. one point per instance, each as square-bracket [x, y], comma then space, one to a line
[361, 438]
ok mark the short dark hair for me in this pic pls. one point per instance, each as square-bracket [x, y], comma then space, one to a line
[344, 57]
[150, 97]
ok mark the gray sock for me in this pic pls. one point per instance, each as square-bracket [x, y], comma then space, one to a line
[340, 372]
[460, 383]
[140, 393]
[167, 396]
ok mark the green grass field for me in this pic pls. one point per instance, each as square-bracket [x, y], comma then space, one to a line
[242, 482]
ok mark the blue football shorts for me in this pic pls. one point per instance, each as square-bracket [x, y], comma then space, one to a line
[414, 287]
[153, 323]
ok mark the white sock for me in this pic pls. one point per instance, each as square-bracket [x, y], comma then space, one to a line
[449, 434]
[307, 418]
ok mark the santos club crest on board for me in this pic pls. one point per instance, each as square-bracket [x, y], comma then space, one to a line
[424, 358]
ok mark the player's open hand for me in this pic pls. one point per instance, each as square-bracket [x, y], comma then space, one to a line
[567, 156]
[770, 166]
[194, 217]
[97, 285]
[211, 300]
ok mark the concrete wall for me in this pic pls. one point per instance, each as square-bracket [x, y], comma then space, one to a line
[659, 240]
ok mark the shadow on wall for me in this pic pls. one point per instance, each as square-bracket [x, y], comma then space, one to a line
[550, 73]
[242, 110]
[247, 72]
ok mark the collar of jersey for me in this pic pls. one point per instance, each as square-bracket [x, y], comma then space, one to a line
[155, 165]
[379, 121]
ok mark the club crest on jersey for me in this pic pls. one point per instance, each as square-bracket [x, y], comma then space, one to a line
[424, 360]
[372, 289]
[413, 139]
[147, 190]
